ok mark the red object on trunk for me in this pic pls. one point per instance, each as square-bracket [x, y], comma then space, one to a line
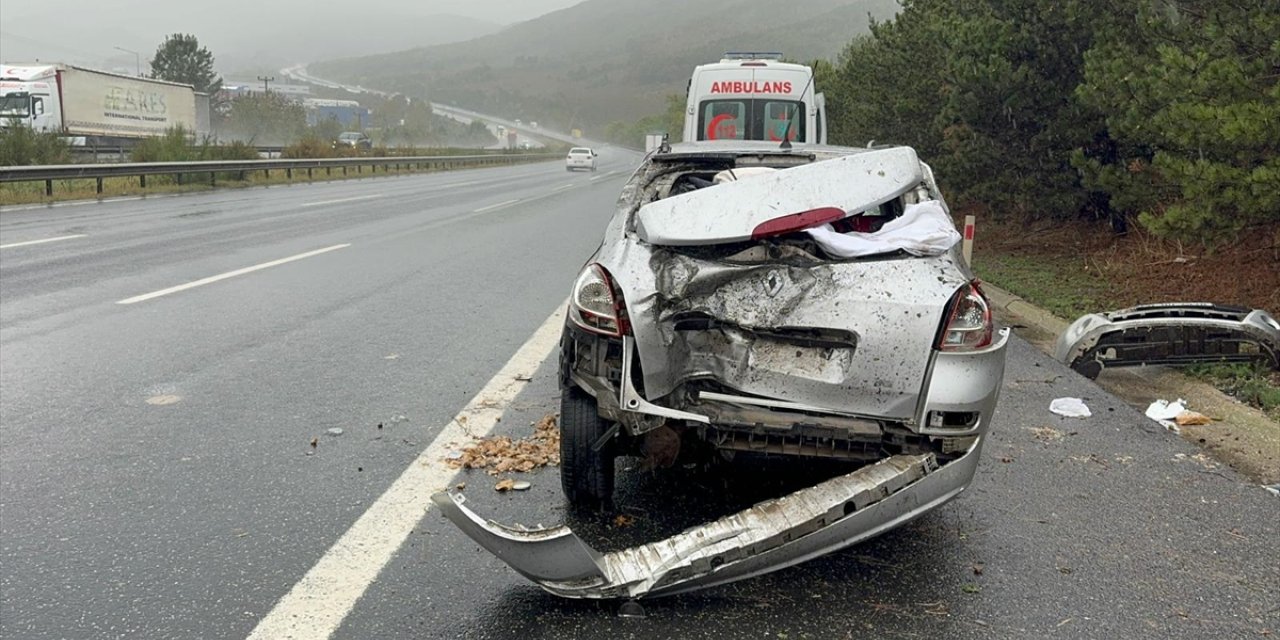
[797, 222]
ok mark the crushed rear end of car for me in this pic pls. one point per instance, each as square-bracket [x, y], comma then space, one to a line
[721, 309]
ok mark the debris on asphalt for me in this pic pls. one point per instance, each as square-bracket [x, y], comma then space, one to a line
[1046, 434]
[1205, 461]
[502, 454]
[978, 568]
[623, 520]
[1070, 408]
[336, 431]
[505, 485]
[521, 485]
[460, 486]
[1273, 489]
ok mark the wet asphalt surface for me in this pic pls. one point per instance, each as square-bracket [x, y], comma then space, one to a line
[190, 518]
[1096, 528]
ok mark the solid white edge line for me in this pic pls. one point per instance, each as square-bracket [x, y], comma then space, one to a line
[31, 242]
[324, 202]
[230, 274]
[318, 603]
[495, 206]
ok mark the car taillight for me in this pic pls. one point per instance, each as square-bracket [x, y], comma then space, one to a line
[596, 305]
[969, 325]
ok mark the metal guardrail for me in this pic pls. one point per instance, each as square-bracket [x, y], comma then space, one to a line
[49, 173]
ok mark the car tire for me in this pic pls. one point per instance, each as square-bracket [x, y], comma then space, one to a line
[586, 475]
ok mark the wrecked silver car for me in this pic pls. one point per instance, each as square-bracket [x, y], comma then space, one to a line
[749, 300]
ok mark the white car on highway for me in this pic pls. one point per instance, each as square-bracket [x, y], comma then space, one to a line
[580, 158]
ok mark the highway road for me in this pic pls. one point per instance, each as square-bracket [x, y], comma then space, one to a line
[167, 363]
[299, 73]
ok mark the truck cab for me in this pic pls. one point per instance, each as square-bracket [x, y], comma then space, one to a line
[754, 96]
[29, 97]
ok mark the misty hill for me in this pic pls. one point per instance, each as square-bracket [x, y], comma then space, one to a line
[373, 33]
[607, 60]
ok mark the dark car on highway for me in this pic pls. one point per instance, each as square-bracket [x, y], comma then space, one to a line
[353, 140]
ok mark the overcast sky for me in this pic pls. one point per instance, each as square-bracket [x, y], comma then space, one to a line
[242, 34]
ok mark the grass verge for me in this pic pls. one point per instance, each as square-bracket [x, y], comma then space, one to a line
[1073, 268]
[1253, 385]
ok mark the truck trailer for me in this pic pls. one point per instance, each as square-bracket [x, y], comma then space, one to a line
[80, 102]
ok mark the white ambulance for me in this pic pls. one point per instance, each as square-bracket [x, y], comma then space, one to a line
[753, 96]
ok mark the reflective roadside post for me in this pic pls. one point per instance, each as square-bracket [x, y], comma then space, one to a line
[967, 247]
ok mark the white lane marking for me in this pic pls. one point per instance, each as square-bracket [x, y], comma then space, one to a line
[323, 202]
[315, 606]
[564, 186]
[602, 177]
[461, 184]
[495, 206]
[31, 242]
[230, 274]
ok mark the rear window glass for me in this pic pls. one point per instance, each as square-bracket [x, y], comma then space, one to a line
[580, 151]
[742, 119]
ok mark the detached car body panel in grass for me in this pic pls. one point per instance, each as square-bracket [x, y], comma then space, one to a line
[1172, 334]
[756, 300]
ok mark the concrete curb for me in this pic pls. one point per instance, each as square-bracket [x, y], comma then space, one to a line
[1025, 311]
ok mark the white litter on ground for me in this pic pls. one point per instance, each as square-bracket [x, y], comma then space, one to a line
[1070, 408]
[1166, 413]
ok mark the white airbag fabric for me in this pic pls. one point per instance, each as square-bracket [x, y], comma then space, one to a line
[923, 229]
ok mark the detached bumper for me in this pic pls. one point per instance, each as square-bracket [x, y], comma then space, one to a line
[768, 536]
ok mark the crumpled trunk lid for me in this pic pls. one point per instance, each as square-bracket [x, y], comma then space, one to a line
[847, 337]
[807, 195]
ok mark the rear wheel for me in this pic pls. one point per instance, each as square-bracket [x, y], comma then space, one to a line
[586, 475]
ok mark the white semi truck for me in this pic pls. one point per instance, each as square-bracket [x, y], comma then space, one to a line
[754, 96]
[79, 102]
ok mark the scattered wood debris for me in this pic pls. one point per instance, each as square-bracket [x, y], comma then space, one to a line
[1192, 419]
[1046, 434]
[502, 454]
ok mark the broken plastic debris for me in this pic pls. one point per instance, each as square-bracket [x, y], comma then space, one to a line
[336, 431]
[521, 485]
[1070, 408]
[1166, 412]
[1273, 489]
